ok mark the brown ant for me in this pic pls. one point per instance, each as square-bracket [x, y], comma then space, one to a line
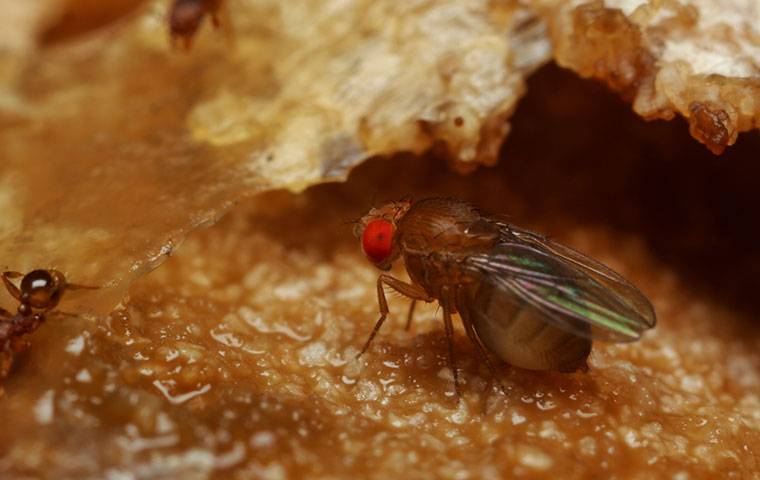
[39, 292]
[185, 17]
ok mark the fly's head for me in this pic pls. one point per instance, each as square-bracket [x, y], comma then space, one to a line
[377, 231]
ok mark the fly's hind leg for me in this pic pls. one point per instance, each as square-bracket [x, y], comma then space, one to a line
[408, 290]
[579, 366]
[410, 314]
[464, 314]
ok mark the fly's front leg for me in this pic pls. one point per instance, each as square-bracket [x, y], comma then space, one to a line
[408, 290]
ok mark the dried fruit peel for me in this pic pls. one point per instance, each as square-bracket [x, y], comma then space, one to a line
[698, 59]
[117, 145]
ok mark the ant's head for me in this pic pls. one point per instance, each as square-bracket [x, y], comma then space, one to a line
[185, 18]
[42, 288]
[377, 229]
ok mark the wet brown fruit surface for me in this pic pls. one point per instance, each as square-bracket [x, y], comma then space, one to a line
[235, 359]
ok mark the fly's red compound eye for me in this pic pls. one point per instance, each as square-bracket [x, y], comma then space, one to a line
[377, 240]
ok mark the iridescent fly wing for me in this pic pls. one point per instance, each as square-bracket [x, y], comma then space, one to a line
[631, 295]
[568, 289]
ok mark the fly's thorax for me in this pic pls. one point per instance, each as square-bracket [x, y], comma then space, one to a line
[516, 332]
[435, 237]
[445, 225]
[434, 271]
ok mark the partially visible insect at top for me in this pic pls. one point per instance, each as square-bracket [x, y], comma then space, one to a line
[186, 16]
[38, 293]
[531, 302]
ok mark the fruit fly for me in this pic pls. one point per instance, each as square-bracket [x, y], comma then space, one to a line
[38, 292]
[185, 17]
[531, 302]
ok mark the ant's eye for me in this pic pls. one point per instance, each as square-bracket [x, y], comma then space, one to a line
[377, 240]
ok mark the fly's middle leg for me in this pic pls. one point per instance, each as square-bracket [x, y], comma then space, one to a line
[449, 326]
[408, 290]
[410, 314]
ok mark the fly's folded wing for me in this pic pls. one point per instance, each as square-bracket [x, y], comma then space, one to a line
[566, 288]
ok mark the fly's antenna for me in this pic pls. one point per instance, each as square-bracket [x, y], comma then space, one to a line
[354, 225]
[350, 222]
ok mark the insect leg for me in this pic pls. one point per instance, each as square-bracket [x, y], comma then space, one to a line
[410, 314]
[450, 338]
[214, 7]
[464, 314]
[61, 279]
[406, 289]
[28, 324]
[74, 286]
[12, 289]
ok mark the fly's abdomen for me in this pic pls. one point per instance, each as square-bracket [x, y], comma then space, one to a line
[516, 332]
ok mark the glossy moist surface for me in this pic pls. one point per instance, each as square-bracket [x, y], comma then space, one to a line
[235, 358]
